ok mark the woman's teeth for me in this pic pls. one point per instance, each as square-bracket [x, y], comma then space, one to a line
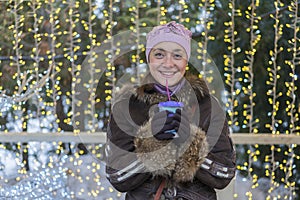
[167, 73]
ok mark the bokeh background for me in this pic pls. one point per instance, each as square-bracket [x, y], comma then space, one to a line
[62, 61]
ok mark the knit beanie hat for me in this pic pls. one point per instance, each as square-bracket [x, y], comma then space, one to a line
[170, 32]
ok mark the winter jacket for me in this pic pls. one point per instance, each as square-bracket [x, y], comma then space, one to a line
[137, 162]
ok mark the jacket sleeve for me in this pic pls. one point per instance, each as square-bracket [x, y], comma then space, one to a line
[124, 171]
[218, 169]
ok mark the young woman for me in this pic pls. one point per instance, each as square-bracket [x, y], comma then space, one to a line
[162, 154]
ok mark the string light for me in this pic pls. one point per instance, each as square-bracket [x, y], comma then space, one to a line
[248, 112]
[205, 24]
[230, 69]
[273, 96]
[289, 169]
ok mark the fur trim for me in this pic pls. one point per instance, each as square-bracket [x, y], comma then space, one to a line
[159, 157]
[145, 92]
[198, 84]
[188, 164]
[164, 158]
[124, 93]
[193, 90]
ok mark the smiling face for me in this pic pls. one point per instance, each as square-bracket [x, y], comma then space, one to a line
[167, 60]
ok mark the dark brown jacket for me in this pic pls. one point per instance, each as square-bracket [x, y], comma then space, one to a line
[137, 162]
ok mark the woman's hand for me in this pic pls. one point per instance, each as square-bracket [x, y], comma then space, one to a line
[183, 130]
[166, 125]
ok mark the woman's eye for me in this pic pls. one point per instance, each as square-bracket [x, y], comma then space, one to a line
[158, 55]
[177, 56]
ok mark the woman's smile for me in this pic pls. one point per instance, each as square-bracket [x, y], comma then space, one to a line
[167, 74]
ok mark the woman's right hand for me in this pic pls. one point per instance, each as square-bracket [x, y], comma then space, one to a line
[164, 126]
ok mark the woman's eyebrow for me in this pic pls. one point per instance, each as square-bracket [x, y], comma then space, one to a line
[177, 50]
[174, 50]
[159, 49]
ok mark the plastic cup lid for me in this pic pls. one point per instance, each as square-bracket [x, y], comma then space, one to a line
[171, 104]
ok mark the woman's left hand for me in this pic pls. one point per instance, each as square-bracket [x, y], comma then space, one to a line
[183, 130]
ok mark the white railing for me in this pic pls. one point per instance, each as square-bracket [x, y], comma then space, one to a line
[100, 137]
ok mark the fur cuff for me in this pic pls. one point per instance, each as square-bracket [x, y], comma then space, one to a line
[164, 158]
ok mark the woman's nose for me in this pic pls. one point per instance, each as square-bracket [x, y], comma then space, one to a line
[169, 61]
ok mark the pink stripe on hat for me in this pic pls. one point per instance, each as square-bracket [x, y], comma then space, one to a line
[170, 32]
